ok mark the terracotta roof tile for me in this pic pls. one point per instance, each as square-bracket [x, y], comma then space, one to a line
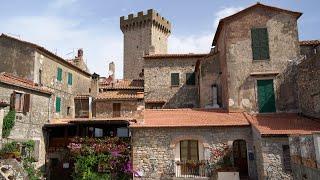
[70, 121]
[44, 50]
[283, 124]
[23, 83]
[123, 84]
[191, 118]
[190, 55]
[309, 43]
[120, 94]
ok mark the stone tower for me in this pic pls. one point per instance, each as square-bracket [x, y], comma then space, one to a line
[143, 34]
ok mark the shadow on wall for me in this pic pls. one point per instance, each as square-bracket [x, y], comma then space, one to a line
[185, 97]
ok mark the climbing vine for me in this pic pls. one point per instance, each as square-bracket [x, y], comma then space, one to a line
[8, 123]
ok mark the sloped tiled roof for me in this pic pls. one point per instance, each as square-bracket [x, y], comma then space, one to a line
[23, 83]
[191, 118]
[190, 55]
[120, 95]
[44, 50]
[309, 43]
[71, 121]
[221, 22]
[123, 84]
[283, 124]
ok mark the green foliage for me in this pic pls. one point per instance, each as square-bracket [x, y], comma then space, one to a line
[9, 148]
[8, 123]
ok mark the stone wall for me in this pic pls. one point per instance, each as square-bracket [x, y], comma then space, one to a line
[282, 32]
[157, 84]
[269, 157]
[309, 86]
[129, 108]
[81, 83]
[16, 58]
[143, 34]
[29, 126]
[155, 150]
[209, 76]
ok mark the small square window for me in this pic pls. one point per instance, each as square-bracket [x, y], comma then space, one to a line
[175, 79]
[190, 79]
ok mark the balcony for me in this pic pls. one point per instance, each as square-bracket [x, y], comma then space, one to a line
[191, 169]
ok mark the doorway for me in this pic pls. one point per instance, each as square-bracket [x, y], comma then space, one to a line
[240, 157]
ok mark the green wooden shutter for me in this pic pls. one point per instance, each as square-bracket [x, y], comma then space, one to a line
[266, 97]
[175, 79]
[260, 43]
[190, 79]
[59, 74]
[69, 78]
[58, 104]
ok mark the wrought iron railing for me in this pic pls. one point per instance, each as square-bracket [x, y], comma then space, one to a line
[191, 169]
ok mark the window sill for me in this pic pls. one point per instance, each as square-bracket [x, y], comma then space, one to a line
[260, 60]
[173, 86]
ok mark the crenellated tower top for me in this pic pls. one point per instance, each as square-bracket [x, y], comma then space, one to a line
[139, 20]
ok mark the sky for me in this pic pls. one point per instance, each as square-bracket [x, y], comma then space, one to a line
[63, 26]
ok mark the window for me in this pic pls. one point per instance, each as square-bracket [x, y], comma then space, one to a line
[175, 79]
[266, 97]
[123, 132]
[98, 132]
[189, 150]
[286, 157]
[59, 74]
[116, 109]
[190, 79]
[260, 43]
[20, 102]
[68, 111]
[40, 77]
[58, 104]
[69, 79]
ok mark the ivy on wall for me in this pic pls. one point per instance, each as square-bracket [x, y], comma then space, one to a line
[8, 123]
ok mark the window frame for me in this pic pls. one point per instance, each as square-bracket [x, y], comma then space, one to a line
[70, 79]
[172, 76]
[59, 74]
[189, 76]
[58, 99]
[260, 44]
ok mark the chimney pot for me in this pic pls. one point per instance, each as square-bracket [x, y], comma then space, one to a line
[80, 52]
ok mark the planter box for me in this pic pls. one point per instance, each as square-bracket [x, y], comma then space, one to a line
[228, 176]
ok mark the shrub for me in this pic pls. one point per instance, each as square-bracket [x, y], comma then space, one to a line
[8, 123]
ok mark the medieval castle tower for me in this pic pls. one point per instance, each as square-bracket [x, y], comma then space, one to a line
[143, 34]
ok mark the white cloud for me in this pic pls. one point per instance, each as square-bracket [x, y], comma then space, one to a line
[67, 35]
[199, 43]
[224, 12]
[190, 44]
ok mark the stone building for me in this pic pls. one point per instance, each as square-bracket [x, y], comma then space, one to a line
[46, 69]
[143, 34]
[170, 80]
[308, 79]
[31, 104]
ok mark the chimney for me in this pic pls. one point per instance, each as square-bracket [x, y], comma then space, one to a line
[112, 69]
[80, 53]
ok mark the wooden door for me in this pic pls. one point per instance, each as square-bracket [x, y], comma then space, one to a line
[266, 98]
[240, 156]
[116, 109]
[189, 152]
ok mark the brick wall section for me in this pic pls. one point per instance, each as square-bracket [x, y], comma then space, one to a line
[282, 32]
[209, 76]
[150, 144]
[16, 58]
[129, 109]
[269, 157]
[309, 86]
[29, 126]
[157, 84]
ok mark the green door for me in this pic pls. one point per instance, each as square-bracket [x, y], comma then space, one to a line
[266, 97]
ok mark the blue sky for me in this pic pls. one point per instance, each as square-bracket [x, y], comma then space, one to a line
[63, 26]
